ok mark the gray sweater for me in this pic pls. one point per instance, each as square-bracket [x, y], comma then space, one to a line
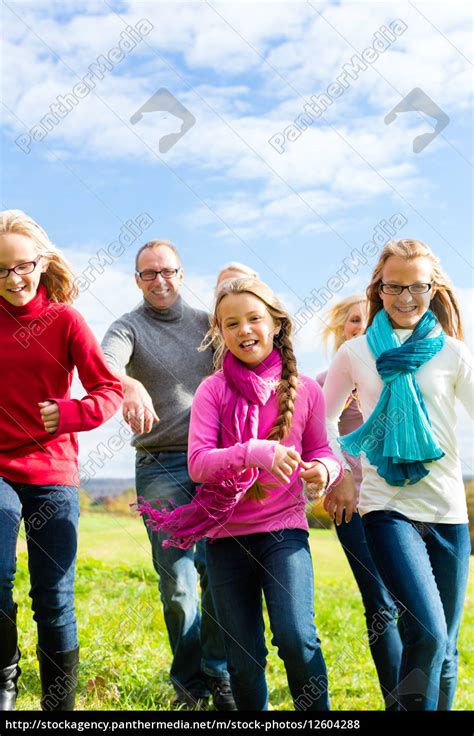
[159, 349]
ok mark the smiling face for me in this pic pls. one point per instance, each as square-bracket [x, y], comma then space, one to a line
[406, 310]
[16, 249]
[160, 293]
[247, 327]
[355, 321]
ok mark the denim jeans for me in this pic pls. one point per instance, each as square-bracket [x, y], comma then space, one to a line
[195, 638]
[51, 515]
[381, 611]
[425, 567]
[279, 565]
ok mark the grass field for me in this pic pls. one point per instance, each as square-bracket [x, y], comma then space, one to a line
[124, 649]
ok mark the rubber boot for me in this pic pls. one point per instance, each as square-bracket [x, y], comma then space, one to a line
[9, 658]
[58, 675]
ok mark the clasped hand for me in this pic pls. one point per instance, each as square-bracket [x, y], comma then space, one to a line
[49, 411]
[286, 461]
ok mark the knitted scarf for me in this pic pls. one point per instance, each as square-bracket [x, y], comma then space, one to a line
[397, 437]
[214, 502]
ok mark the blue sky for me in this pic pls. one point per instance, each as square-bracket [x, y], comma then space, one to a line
[244, 71]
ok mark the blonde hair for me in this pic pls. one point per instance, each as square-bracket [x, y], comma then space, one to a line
[444, 303]
[239, 268]
[289, 376]
[336, 317]
[59, 276]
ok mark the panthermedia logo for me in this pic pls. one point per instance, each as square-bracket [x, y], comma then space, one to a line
[418, 101]
[164, 101]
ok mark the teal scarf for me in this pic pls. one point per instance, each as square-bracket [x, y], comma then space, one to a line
[397, 437]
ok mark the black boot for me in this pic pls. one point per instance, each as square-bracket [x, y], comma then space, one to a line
[221, 693]
[9, 658]
[58, 674]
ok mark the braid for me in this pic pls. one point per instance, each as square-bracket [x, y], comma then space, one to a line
[288, 385]
[286, 395]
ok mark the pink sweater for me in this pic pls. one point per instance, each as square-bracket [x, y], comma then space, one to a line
[284, 507]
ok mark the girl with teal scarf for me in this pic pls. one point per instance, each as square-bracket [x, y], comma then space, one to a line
[408, 369]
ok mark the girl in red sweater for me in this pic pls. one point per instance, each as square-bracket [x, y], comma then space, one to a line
[42, 340]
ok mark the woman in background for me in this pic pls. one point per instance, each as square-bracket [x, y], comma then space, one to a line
[234, 270]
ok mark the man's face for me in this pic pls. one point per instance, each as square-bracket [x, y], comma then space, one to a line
[161, 293]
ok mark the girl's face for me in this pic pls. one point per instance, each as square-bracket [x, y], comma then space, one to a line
[15, 249]
[405, 310]
[355, 321]
[247, 328]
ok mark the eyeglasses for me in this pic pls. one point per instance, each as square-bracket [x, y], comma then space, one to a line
[22, 269]
[396, 289]
[167, 273]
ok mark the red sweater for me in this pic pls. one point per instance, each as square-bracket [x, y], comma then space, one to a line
[40, 345]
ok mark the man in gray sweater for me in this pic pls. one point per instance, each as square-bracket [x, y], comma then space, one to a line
[153, 349]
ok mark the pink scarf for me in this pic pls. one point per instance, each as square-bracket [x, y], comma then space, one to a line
[214, 503]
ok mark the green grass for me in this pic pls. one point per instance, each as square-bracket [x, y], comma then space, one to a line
[125, 654]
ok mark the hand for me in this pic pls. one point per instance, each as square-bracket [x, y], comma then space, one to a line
[340, 497]
[285, 463]
[138, 410]
[316, 477]
[49, 411]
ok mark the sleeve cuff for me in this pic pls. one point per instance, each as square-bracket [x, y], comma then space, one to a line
[66, 420]
[260, 454]
[335, 470]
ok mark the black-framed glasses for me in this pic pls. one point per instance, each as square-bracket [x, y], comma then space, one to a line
[22, 269]
[167, 273]
[396, 289]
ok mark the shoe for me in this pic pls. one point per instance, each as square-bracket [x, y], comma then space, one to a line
[9, 658]
[221, 693]
[58, 674]
[188, 701]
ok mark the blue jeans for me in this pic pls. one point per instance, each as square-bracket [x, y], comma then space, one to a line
[195, 638]
[279, 565]
[51, 515]
[425, 567]
[381, 611]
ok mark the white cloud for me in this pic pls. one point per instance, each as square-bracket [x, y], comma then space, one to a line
[337, 164]
[240, 101]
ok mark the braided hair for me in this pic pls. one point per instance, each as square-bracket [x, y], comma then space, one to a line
[288, 382]
[289, 378]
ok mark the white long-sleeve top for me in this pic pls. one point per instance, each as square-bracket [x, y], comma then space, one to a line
[440, 496]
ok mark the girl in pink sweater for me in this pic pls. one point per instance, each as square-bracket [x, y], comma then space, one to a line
[257, 432]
